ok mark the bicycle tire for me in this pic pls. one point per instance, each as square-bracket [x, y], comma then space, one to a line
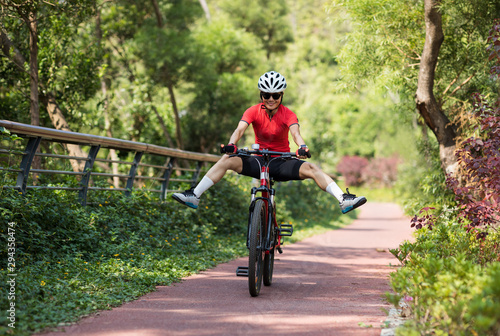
[269, 258]
[256, 248]
[269, 268]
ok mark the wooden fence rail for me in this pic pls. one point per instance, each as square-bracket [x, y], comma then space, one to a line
[137, 169]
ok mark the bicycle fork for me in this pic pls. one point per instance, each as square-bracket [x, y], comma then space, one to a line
[273, 231]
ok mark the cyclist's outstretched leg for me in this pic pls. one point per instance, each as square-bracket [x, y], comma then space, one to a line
[347, 201]
[191, 197]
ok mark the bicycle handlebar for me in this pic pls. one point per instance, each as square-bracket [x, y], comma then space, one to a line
[264, 152]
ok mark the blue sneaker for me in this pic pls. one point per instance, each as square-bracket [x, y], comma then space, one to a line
[187, 198]
[351, 202]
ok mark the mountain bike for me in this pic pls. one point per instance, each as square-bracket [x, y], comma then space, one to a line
[264, 234]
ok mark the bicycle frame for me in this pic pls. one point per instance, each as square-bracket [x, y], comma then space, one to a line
[267, 195]
[263, 234]
[267, 191]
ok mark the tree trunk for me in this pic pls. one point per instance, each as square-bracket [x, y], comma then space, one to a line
[59, 121]
[204, 5]
[107, 120]
[159, 18]
[426, 102]
[109, 133]
[162, 122]
[9, 50]
[34, 102]
[170, 86]
[178, 133]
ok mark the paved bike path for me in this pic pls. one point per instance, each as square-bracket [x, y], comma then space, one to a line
[330, 284]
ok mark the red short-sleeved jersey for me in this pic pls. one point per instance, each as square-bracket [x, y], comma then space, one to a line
[271, 133]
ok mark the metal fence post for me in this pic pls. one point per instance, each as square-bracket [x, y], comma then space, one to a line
[22, 176]
[166, 176]
[87, 172]
[196, 173]
[132, 173]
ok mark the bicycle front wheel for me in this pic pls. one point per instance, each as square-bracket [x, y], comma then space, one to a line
[256, 247]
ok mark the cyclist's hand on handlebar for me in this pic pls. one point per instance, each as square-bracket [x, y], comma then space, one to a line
[229, 148]
[303, 152]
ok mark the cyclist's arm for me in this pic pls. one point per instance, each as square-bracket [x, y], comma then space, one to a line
[297, 138]
[238, 132]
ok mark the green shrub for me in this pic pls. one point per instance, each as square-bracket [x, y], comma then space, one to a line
[71, 260]
[450, 281]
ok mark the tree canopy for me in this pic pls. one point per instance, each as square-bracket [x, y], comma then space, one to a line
[180, 74]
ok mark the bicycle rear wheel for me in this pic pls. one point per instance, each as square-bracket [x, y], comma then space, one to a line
[256, 247]
[269, 258]
[269, 267]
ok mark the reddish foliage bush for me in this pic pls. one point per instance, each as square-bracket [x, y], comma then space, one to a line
[479, 158]
[494, 48]
[351, 167]
[426, 218]
[381, 172]
[359, 170]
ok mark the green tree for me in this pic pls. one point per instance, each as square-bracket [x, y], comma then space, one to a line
[50, 64]
[165, 65]
[222, 73]
[267, 20]
[147, 46]
[431, 50]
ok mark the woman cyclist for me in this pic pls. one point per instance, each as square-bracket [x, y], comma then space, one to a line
[271, 123]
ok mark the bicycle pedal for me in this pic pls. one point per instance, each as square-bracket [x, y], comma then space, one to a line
[242, 271]
[286, 230]
[279, 250]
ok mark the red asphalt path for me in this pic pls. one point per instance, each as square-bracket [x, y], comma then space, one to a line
[330, 284]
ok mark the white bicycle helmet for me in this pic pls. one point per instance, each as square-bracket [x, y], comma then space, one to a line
[272, 82]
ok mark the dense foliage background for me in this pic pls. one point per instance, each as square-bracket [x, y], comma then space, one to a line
[114, 67]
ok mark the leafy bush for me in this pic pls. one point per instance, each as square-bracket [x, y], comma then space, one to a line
[450, 281]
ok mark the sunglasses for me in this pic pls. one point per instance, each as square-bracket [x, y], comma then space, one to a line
[266, 95]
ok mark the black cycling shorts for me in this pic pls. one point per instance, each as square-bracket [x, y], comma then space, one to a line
[279, 169]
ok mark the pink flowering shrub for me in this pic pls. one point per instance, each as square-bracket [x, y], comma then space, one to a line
[351, 167]
[381, 172]
[375, 172]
